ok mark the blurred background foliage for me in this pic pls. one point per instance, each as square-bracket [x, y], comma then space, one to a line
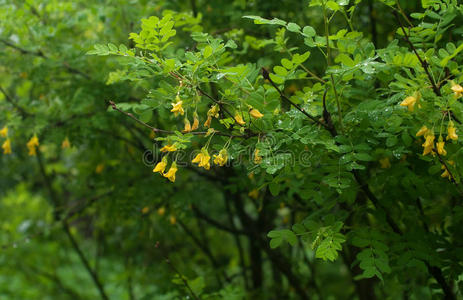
[93, 221]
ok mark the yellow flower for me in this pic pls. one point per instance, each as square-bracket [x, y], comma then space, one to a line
[255, 114]
[7, 147]
[169, 148]
[177, 107]
[409, 102]
[451, 132]
[202, 159]
[208, 122]
[214, 111]
[4, 132]
[171, 173]
[145, 210]
[457, 89]
[429, 143]
[239, 119]
[65, 143]
[32, 145]
[440, 147]
[161, 211]
[187, 126]
[222, 158]
[254, 194]
[195, 122]
[423, 130]
[172, 220]
[257, 157]
[161, 166]
[446, 173]
[385, 163]
[99, 168]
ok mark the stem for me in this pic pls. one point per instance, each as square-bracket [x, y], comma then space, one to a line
[85, 262]
[328, 61]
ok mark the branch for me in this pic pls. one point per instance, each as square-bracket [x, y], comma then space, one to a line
[452, 177]
[215, 223]
[85, 262]
[185, 282]
[157, 130]
[265, 74]
[12, 102]
[423, 62]
[41, 54]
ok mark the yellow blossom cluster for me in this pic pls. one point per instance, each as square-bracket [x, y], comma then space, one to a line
[457, 89]
[32, 145]
[410, 101]
[6, 146]
[161, 167]
[446, 173]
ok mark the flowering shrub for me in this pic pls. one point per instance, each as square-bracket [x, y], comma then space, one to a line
[325, 145]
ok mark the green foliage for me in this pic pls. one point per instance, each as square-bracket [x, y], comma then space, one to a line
[301, 150]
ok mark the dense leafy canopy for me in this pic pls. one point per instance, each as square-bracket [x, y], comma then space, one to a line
[242, 149]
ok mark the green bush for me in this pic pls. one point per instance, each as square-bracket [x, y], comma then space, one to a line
[240, 149]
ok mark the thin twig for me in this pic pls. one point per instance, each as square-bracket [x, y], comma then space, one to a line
[157, 130]
[185, 282]
[266, 76]
[422, 61]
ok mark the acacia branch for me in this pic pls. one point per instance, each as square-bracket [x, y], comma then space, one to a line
[266, 76]
[185, 282]
[12, 102]
[422, 61]
[157, 130]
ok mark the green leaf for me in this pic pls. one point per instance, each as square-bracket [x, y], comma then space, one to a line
[280, 71]
[287, 63]
[293, 27]
[309, 31]
[207, 51]
[333, 5]
[277, 79]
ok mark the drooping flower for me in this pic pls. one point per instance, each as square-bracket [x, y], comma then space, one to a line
[423, 130]
[7, 147]
[161, 166]
[66, 144]
[257, 157]
[256, 114]
[385, 163]
[99, 168]
[239, 119]
[451, 132]
[254, 194]
[172, 220]
[171, 173]
[410, 102]
[177, 107]
[161, 211]
[195, 122]
[222, 158]
[202, 159]
[457, 89]
[32, 145]
[429, 143]
[169, 148]
[187, 127]
[4, 132]
[145, 210]
[446, 173]
[440, 146]
[214, 111]
[208, 122]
